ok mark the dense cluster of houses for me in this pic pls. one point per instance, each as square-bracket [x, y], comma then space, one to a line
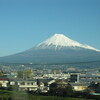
[41, 83]
[37, 85]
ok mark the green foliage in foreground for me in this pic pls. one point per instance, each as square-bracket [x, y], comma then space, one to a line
[8, 95]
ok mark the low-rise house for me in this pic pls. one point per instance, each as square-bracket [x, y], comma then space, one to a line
[56, 76]
[4, 82]
[44, 84]
[25, 85]
[79, 86]
[88, 78]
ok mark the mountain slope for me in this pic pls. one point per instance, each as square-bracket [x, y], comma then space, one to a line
[57, 49]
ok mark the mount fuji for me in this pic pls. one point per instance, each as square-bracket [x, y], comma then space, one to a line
[57, 49]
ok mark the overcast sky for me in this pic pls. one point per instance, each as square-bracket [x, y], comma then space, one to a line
[25, 23]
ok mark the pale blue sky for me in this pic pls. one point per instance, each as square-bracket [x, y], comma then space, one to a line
[25, 23]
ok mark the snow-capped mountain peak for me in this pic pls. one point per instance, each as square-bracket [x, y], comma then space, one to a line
[60, 40]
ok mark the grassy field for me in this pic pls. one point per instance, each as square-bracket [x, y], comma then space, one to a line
[7, 95]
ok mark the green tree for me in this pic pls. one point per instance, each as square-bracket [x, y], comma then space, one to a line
[61, 88]
[13, 87]
[1, 73]
[20, 74]
[69, 90]
[0, 85]
[28, 73]
[94, 86]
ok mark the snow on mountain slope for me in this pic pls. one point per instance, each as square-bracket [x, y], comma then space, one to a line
[59, 40]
